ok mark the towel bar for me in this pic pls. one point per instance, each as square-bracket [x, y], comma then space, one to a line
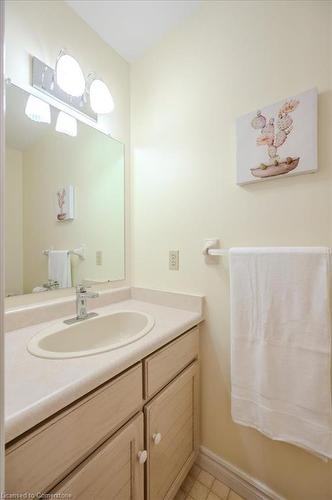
[80, 252]
[210, 248]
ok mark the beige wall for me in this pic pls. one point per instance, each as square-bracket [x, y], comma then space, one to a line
[93, 164]
[229, 58]
[42, 28]
[14, 222]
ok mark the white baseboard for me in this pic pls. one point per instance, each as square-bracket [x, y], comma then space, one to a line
[242, 483]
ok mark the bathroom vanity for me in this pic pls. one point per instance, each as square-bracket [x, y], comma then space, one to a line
[134, 436]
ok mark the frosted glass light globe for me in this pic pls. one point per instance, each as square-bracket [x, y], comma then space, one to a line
[69, 76]
[101, 99]
[66, 124]
[38, 110]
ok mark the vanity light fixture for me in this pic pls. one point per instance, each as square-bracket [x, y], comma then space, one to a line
[90, 96]
[38, 110]
[101, 100]
[66, 124]
[69, 75]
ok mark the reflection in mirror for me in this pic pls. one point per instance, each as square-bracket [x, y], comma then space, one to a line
[64, 201]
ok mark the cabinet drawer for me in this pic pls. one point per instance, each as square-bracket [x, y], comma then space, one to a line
[39, 461]
[162, 366]
[112, 471]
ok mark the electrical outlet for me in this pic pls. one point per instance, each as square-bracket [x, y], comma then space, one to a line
[174, 260]
[99, 258]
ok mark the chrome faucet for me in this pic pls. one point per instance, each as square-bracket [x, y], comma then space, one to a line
[81, 304]
[51, 284]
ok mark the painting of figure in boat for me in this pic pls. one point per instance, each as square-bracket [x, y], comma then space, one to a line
[278, 140]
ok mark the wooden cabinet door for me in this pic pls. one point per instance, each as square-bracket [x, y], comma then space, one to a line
[113, 471]
[172, 434]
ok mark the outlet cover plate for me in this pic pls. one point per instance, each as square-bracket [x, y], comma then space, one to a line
[174, 260]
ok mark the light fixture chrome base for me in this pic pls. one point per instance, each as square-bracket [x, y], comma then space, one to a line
[43, 78]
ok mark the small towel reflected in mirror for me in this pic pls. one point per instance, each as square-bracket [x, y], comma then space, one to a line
[59, 267]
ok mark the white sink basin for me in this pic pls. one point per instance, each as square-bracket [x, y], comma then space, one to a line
[92, 336]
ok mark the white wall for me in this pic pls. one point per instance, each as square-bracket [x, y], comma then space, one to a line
[42, 29]
[228, 59]
[14, 222]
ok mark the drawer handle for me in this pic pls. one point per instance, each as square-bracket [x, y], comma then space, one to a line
[156, 438]
[142, 456]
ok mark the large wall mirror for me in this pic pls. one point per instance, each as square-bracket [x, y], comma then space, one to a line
[64, 221]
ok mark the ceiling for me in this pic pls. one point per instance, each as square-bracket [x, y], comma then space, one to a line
[132, 26]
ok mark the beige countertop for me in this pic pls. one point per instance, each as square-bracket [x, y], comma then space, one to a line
[36, 388]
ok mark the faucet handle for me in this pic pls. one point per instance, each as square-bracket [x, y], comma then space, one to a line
[51, 284]
[80, 288]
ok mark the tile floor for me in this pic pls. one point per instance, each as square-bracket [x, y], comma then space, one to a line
[200, 485]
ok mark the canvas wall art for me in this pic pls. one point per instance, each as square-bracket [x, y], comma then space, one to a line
[65, 203]
[278, 140]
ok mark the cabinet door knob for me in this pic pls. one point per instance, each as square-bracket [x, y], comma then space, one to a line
[142, 456]
[156, 438]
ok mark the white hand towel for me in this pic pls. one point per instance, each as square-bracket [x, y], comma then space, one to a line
[281, 344]
[59, 268]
